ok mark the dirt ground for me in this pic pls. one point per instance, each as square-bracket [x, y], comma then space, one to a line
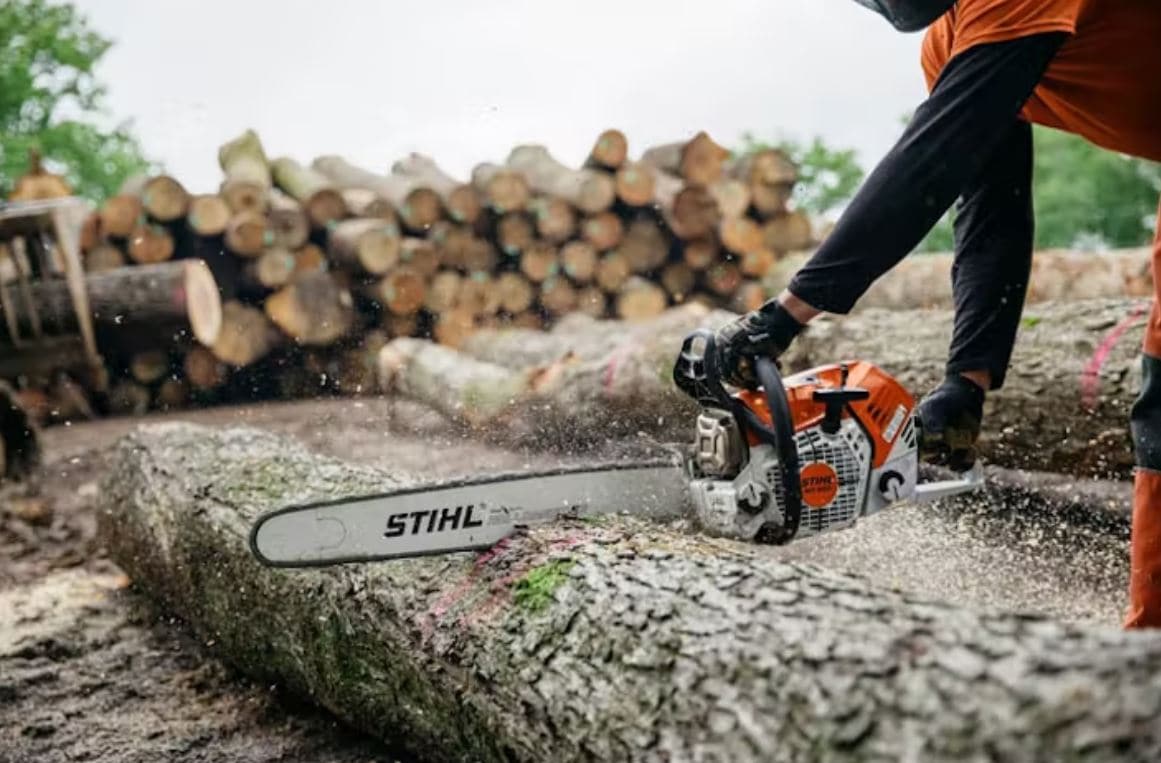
[87, 672]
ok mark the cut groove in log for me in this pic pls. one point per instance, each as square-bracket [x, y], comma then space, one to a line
[504, 191]
[246, 233]
[369, 246]
[318, 195]
[244, 162]
[588, 190]
[150, 244]
[871, 671]
[209, 214]
[312, 309]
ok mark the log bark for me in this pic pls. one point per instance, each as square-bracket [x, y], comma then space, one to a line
[313, 309]
[461, 200]
[317, 192]
[924, 280]
[247, 170]
[419, 207]
[179, 293]
[588, 190]
[365, 246]
[507, 656]
[503, 190]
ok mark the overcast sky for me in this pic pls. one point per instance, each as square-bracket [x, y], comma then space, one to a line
[464, 81]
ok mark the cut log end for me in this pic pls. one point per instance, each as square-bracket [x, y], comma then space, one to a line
[243, 195]
[324, 207]
[539, 262]
[165, 199]
[402, 291]
[313, 309]
[149, 366]
[579, 261]
[203, 301]
[610, 149]
[516, 293]
[604, 231]
[422, 209]
[246, 234]
[640, 299]
[150, 243]
[203, 370]
[103, 257]
[635, 185]
[209, 214]
[120, 215]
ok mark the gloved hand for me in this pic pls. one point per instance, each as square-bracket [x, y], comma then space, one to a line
[949, 423]
[765, 332]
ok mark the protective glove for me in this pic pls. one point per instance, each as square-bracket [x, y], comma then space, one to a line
[949, 421]
[765, 332]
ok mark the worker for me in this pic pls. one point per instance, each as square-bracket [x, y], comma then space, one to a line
[993, 68]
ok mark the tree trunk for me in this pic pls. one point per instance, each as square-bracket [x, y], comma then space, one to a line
[461, 200]
[504, 656]
[700, 253]
[503, 190]
[924, 280]
[312, 309]
[770, 176]
[418, 206]
[244, 162]
[588, 190]
[319, 196]
[515, 232]
[558, 296]
[181, 292]
[443, 293]
[209, 214]
[365, 246]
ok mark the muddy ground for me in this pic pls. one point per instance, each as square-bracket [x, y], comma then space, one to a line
[88, 672]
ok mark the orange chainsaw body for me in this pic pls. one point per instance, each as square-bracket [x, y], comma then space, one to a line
[880, 415]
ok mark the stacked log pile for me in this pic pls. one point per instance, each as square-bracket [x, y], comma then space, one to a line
[319, 263]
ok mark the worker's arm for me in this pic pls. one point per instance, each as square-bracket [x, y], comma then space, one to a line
[949, 142]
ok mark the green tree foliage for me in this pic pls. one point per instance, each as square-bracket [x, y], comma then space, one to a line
[827, 177]
[50, 100]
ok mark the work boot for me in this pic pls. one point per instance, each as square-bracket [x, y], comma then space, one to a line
[949, 421]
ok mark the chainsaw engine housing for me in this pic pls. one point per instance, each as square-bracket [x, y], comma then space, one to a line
[854, 434]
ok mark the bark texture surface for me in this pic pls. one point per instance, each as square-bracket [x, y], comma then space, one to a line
[610, 640]
[1063, 408]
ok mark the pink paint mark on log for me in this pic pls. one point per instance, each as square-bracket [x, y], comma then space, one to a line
[502, 588]
[1090, 376]
[456, 594]
[610, 373]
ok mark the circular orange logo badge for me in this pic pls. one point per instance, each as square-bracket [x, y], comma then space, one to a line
[819, 485]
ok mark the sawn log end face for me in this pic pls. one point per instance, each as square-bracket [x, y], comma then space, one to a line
[607, 640]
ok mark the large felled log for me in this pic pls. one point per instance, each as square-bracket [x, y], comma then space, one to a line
[567, 643]
[181, 292]
[924, 280]
[588, 190]
[461, 200]
[419, 207]
[319, 196]
[247, 170]
[1059, 410]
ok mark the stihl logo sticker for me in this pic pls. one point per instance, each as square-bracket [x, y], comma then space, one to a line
[432, 521]
[819, 484]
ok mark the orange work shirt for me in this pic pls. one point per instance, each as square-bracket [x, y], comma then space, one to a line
[1105, 82]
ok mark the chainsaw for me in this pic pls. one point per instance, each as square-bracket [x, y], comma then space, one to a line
[798, 456]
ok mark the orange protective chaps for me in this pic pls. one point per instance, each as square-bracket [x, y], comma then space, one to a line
[1145, 420]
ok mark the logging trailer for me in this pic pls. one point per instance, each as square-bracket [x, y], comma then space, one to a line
[40, 242]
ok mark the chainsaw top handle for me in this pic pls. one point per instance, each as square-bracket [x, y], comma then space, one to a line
[697, 374]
